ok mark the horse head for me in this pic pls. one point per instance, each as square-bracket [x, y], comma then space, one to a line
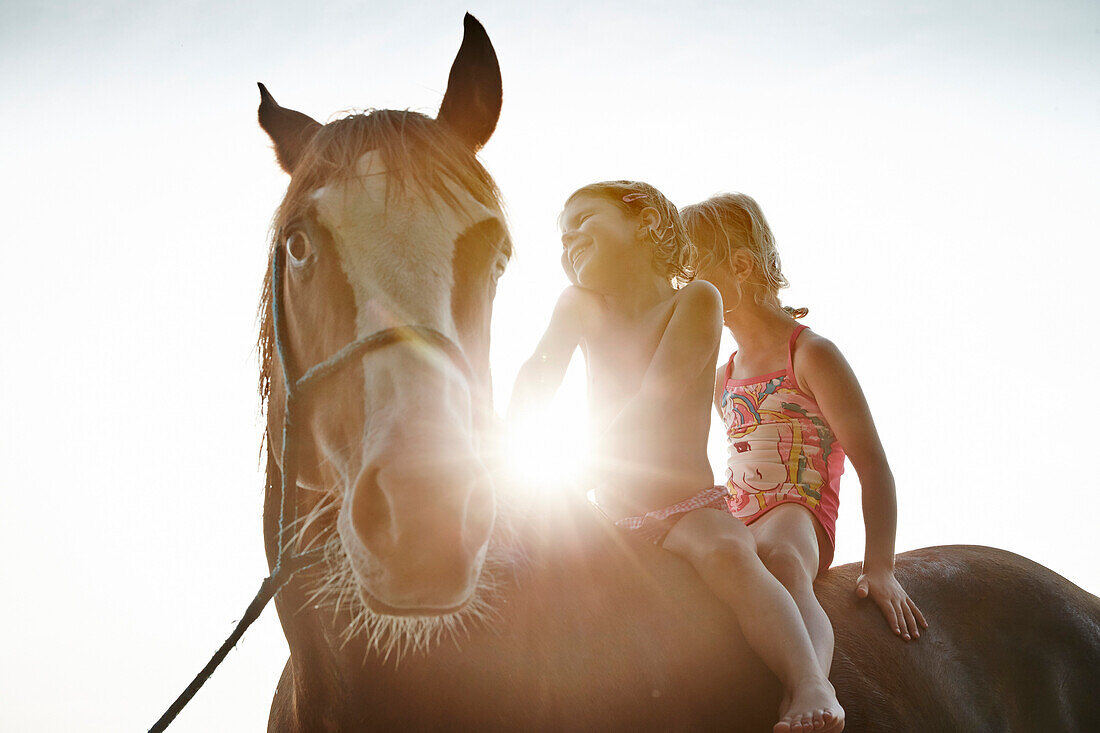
[389, 241]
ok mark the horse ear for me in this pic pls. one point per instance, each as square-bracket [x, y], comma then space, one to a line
[471, 105]
[289, 130]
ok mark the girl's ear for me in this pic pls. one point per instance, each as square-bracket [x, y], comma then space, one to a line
[650, 220]
[742, 264]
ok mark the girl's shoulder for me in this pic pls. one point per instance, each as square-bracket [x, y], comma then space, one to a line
[698, 289]
[579, 305]
[699, 293]
[812, 347]
[815, 358]
[575, 296]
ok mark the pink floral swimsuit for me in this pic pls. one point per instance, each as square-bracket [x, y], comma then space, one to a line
[780, 448]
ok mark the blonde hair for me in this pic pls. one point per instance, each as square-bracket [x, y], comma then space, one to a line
[727, 222]
[674, 254]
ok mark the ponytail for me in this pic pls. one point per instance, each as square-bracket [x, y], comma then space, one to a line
[796, 312]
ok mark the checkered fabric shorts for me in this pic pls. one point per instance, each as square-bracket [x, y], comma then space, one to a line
[655, 526]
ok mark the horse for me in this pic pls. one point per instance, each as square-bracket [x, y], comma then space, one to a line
[447, 599]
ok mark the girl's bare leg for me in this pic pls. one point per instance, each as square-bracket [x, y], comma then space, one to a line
[787, 541]
[723, 552]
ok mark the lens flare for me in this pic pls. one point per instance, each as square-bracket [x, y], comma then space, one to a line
[549, 452]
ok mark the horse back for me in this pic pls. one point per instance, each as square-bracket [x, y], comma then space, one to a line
[1011, 645]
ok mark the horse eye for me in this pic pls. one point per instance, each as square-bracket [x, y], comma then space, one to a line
[298, 247]
[498, 268]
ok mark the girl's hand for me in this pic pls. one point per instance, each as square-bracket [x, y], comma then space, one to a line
[902, 615]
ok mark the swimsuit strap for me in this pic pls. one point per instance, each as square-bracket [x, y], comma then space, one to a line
[790, 353]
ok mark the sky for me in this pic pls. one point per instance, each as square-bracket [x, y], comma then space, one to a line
[929, 171]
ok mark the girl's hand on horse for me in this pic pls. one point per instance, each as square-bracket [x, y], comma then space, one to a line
[902, 615]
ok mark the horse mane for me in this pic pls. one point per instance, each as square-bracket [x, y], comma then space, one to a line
[418, 153]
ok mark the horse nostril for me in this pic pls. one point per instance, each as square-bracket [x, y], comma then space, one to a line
[416, 526]
[449, 508]
[372, 514]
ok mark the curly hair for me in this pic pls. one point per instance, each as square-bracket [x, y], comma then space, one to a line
[674, 255]
[730, 221]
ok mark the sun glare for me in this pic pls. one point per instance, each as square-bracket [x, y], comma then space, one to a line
[548, 452]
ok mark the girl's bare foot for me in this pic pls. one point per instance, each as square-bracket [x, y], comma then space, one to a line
[811, 707]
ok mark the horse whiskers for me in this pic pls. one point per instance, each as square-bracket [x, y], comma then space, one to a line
[321, 508]
[297, 531]
[333, 585]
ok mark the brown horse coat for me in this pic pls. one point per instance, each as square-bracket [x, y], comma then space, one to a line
[597, 631]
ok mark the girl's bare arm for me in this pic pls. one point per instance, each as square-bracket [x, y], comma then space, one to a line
[823, 372]
[542, 374]
[688, 346]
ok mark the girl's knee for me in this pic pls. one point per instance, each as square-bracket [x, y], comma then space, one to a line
[708, 538]
[729, 553]
[788, 565]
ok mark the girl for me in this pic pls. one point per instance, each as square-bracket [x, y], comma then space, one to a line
[790, 401]
[650, 348]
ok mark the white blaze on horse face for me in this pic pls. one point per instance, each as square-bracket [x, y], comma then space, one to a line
[418, 460]
[397, 254]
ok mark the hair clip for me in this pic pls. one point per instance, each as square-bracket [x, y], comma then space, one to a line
[633, 197]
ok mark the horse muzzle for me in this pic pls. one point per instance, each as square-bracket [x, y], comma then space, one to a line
[415, 528]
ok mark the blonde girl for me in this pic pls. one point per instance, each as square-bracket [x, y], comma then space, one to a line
[793, 409]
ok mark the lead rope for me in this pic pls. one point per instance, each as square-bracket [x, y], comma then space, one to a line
[268, 588]
[288, 564]
[285, 567]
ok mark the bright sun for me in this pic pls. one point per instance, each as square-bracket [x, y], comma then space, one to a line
[548, 453]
